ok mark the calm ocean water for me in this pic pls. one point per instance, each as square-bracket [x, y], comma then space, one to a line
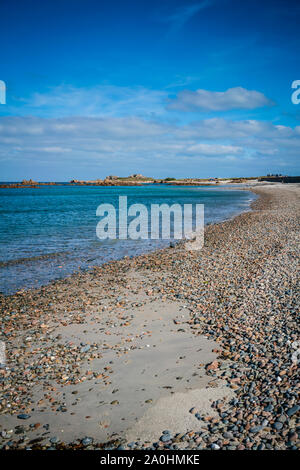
[50, 232]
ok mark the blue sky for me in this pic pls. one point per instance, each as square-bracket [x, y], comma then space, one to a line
[172, 88]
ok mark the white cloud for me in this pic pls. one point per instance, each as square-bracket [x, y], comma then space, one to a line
[56, 150]
[108, 127]
[136, 142]
[214, 149]
[233, 98]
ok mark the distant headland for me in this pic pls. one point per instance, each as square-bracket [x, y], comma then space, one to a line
[139, 180]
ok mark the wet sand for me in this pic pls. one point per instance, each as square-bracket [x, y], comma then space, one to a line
[166, 341]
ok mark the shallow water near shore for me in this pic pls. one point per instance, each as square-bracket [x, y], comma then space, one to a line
[49, 232]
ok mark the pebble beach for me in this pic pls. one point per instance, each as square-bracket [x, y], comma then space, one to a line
[174, 349]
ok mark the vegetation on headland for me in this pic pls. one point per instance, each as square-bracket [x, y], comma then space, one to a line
[112, 180]
[138, 179]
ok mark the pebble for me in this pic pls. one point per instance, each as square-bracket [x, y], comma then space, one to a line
[293, 410]
[86, 441]
[165, 438]
[54, 440]
[23, 416]
[215, 447]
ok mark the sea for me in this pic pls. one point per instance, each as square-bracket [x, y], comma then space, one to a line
[49, 232]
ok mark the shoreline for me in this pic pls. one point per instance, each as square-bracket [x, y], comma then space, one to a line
[63, 258]
[66, 322]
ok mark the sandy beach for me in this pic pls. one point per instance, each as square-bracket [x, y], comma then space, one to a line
[174, 349]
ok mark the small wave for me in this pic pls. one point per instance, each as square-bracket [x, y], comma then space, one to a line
[13, 262]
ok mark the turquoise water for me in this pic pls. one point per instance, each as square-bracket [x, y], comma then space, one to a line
[50, 232]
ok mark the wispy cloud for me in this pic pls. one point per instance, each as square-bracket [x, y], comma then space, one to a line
[233, 98]
[181, 15]
[114, 101]
[100, 100]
